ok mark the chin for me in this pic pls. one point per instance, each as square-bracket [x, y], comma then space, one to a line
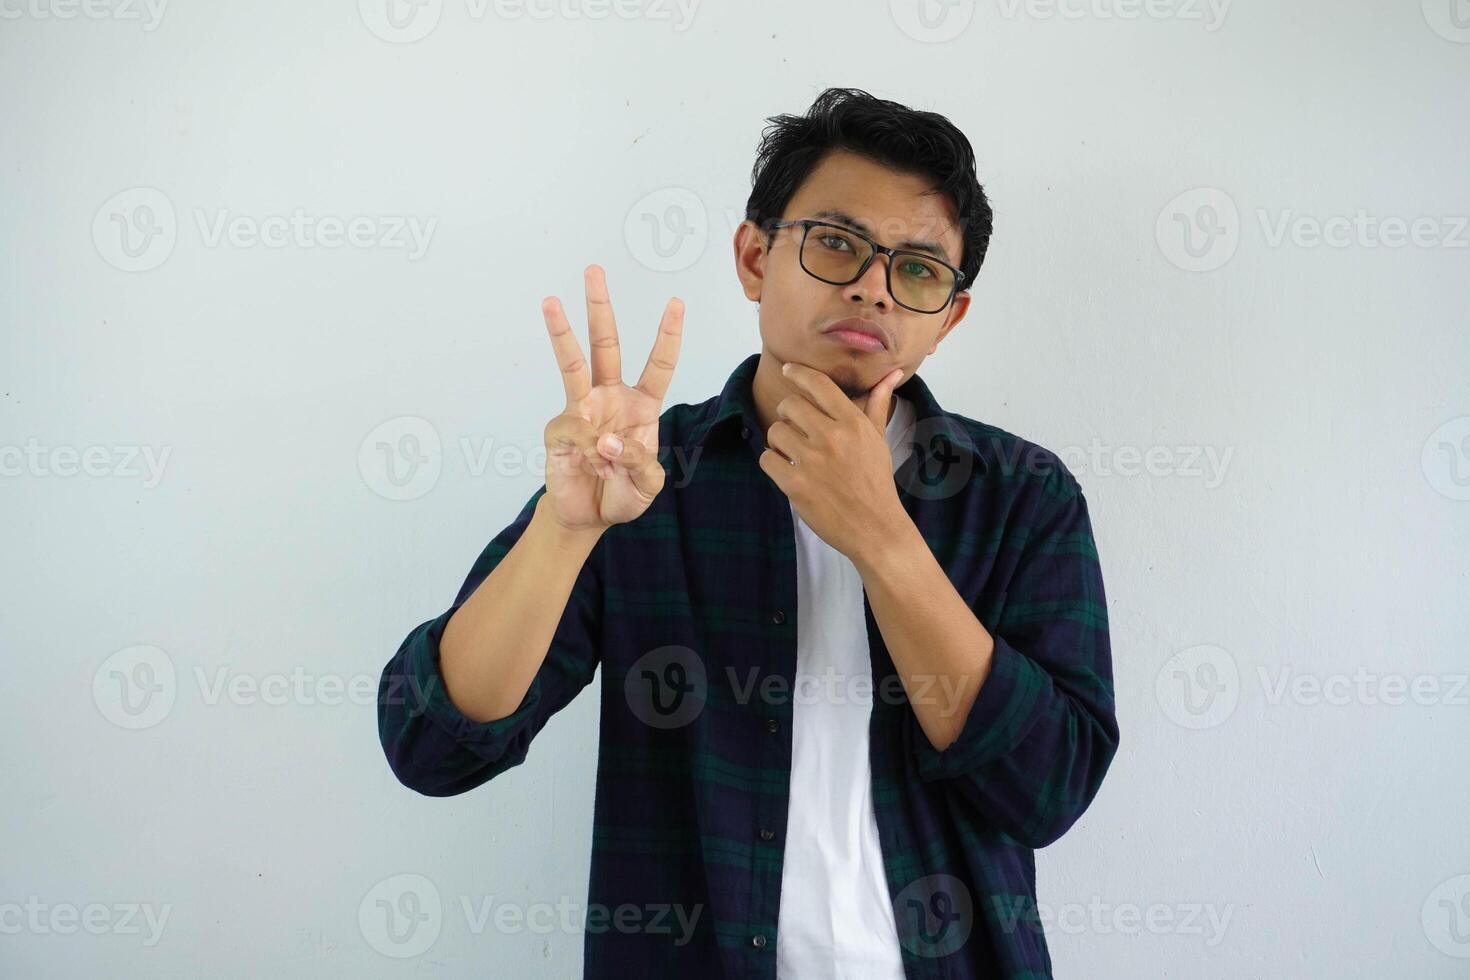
[851, 383]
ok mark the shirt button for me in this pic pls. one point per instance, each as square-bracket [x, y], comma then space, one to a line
[773, 726]
[767, 834]
[759, 942]
[745, 432]
[778, 617]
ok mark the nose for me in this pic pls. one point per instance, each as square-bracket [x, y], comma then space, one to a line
[872, 285]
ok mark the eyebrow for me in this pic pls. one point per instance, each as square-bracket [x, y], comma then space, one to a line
[858, 224]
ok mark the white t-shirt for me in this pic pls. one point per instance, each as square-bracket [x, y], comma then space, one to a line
[836, 919]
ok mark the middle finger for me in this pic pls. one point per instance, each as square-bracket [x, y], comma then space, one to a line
[602, 330]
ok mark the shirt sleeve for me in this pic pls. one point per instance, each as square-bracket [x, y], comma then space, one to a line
[435, 749]
[1042, 730]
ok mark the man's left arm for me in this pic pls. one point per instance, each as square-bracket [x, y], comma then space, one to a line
[1029, 729]
[1021, 722]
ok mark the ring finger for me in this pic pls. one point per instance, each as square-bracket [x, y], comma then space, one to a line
[785, 439]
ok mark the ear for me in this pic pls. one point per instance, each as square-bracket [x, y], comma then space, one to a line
[957, 310]
[750, 258]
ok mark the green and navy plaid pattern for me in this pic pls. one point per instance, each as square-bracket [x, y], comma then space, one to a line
[691, 612]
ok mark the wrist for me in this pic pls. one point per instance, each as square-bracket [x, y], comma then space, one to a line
[889, 544]
[562, 537]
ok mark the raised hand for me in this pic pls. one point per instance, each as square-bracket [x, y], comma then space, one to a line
[590, 483]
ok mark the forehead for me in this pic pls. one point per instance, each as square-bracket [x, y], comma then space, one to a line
[893, 208]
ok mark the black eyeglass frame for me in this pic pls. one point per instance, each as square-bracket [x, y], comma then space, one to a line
[893, 253]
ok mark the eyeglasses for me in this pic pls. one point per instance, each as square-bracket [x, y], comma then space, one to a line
[838, 255]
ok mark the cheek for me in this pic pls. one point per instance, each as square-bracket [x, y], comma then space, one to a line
[913, 343]
[793, 285]
[790, 307]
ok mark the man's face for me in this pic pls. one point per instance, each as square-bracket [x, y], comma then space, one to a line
[795, 308]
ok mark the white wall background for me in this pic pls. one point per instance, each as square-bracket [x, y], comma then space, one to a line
[1303, 522]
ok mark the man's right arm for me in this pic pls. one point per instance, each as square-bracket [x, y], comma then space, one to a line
[467, 691]
[495, 643]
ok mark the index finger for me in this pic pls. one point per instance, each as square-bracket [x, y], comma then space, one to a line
[820, 389]
[654, 381]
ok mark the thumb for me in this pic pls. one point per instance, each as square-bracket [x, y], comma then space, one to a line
[639, 462]
[879, 397]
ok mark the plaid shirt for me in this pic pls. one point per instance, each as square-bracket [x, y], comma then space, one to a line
[691, 611]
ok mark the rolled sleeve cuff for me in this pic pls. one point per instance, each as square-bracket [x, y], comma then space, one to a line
[1001, 716]
[486, 738]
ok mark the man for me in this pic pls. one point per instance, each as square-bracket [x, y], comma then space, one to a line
[828, 528]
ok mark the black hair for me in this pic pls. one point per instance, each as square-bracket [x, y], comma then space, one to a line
[908, 140]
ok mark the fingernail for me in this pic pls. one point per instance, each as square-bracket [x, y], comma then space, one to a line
[614, 445]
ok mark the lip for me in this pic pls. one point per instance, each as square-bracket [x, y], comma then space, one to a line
[854, 329]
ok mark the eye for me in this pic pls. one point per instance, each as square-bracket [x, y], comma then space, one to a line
[917, 269]
[842, 243]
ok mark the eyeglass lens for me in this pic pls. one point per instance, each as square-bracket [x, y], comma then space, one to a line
[835, 256]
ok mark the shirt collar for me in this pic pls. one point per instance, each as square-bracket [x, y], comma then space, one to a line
[736, 407]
